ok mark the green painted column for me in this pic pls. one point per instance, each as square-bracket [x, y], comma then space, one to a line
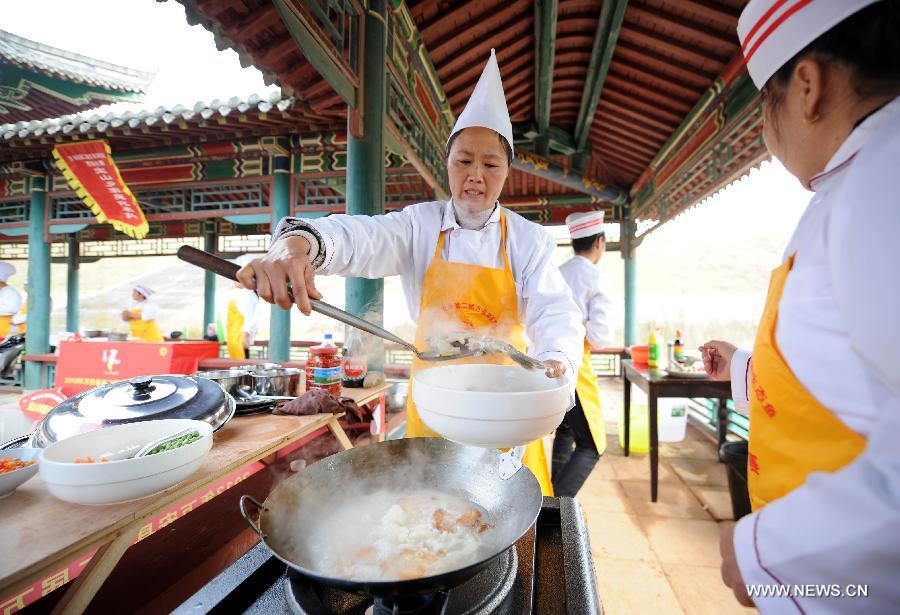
[365, 162]
[38, 338]
[210, 241]
[280, 322]
[628, 253]
[72, 267]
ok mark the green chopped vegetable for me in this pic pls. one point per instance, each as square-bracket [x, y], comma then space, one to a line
[173, 444]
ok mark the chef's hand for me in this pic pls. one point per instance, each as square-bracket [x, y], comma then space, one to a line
[717, 359]
[287, 262]
[126, 315]
[731, 574]
[555, 369]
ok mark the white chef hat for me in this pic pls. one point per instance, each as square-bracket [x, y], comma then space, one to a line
[487, 105]
[585, 224]
[6, 270]
[144, 290]
[774, 31]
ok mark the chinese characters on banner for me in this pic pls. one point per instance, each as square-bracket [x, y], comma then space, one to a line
[89, 169]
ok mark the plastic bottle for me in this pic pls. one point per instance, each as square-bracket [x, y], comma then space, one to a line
[355, 364]
[323, 368]
[679, 346]
[652, 350]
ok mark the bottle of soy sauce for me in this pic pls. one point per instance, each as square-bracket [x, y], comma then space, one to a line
[354, 364]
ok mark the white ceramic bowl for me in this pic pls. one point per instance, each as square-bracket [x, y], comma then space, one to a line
[492, 406]
[10, 481]
[113, 482]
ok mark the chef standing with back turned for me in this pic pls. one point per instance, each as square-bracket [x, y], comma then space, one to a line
[581, 438]
[466, 260]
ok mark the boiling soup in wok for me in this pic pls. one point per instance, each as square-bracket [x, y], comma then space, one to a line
[391, 536]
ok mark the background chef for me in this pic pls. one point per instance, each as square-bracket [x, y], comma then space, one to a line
[10, 300]
[581, 438]
[823, 382]
[238, 316]
[467, 259]
[141, 315]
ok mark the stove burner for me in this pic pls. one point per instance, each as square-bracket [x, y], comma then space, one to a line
[486, 593]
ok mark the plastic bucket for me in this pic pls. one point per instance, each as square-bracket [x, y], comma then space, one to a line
[639, 435]
[734, 454]
[672, 419]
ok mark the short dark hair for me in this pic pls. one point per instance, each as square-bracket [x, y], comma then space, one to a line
[867, 42]
[503, 142]
[583, 244]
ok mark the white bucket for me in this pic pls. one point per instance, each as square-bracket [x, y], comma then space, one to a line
[672, 419]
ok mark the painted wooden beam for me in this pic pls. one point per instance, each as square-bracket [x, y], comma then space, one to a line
[316, 50]
[545, 14]
[552, 171]
[610, 23]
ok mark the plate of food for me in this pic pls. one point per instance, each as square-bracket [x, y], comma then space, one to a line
[689, 367]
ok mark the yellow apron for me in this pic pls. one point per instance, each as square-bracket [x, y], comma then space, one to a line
[791, 433]
[146, 330]
[5, 325]
[479, 297]
[23, 326]
[589, 396]
[234, 334]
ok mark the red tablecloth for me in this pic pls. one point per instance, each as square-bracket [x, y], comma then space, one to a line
[84, 365]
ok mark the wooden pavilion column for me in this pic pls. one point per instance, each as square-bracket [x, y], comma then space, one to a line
[365, 161]
[72, 267]
[628, 253]
[38, 339]
[280, 322]
[210, 243]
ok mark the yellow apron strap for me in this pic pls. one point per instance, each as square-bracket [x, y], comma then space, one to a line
[234, 331]
[589, 396]
[5, 325]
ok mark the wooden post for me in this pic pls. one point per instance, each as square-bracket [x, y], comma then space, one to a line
[628, 253]
[280, 322]
[210, 241]
[38, 339]
[72, 266]
[365, 163]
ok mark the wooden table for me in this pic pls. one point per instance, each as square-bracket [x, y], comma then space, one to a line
[655, 383]
[47, 542]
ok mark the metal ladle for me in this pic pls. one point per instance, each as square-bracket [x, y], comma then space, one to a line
[229, 270]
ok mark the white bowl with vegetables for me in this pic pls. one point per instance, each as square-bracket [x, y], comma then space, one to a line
[17, 466]
[96, 468]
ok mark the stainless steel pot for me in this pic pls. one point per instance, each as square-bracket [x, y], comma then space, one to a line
[140, 399]
[289, 514]
[260, 367]
[117, 336]
[231, 380]
[281, 382]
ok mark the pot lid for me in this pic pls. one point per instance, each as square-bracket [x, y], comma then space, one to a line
[142, 398]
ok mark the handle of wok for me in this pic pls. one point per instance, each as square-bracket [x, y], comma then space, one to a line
[246, 515]
[227, 269]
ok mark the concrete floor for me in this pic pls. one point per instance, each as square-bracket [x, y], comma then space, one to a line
[658, 557]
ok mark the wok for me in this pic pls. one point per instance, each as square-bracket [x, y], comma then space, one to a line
[289, 514]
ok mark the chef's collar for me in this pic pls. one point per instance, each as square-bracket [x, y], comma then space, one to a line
[855, 142]
[449, 222]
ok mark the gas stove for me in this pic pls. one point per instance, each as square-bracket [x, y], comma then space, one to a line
[549, 570]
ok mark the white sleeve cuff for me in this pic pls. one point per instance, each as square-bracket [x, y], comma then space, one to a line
[312, 239]
[740, 380]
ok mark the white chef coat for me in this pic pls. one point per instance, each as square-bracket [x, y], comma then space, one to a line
[586, 283]
[403, 243]
[838, 331]
[247, 304]
[10, 301]
[148, 307]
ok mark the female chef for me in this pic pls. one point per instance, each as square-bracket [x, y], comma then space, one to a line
[823, 380]
[467, 259]
[141, 315]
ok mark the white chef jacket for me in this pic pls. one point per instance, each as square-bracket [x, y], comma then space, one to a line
[838, 331]
[247, 304]
[586, 283]
[403, 243]
[149, 308]
[10, 301]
